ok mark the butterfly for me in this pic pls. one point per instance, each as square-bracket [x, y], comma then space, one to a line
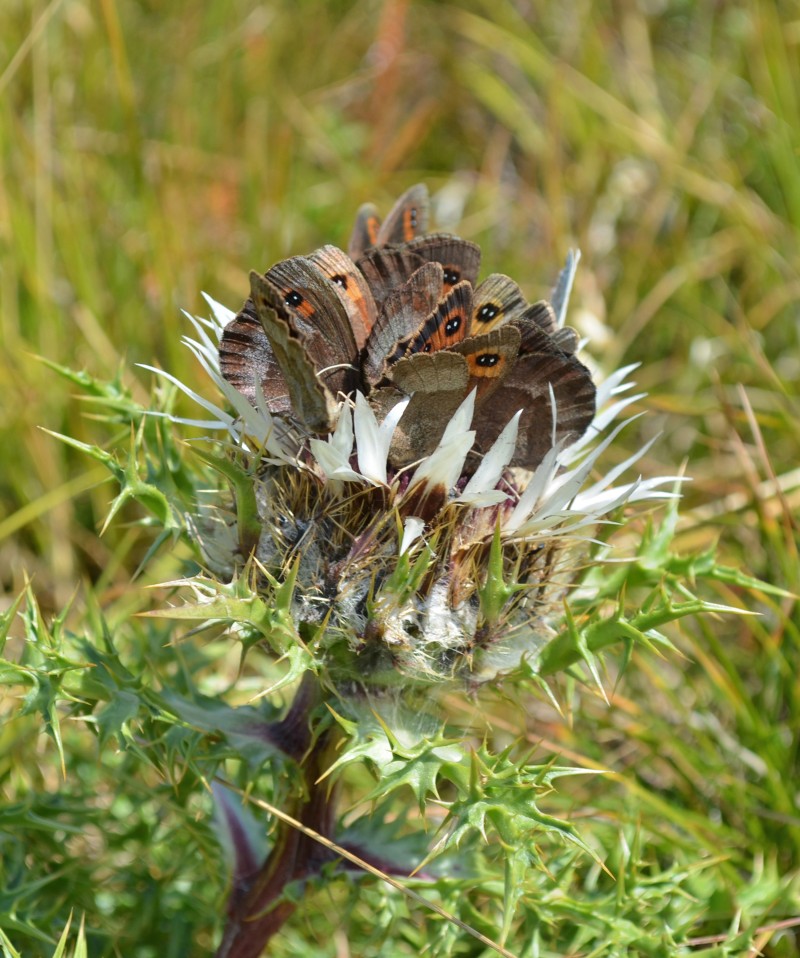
[402, 314]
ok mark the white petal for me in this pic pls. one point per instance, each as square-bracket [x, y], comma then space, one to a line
[531, 509]
[614, 384]
[488, 473]
[213, 424]
[412, 530]
[610, 499]
[202, 326]
[331, 460]
[443, 466]
[195, 397]
[342, 438]
[207, 355]
[536, 488]
[560, 295]
[221, 313]
[478, 500]
[565, 491]
[460, 420]
[587, 458]
[617, 470]
[373, 441]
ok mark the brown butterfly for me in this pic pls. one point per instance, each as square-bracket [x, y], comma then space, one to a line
[403, 315]
[499, 300]
[540, 366]
[248, 362]
[296, 339]
[407, 218]
[403, 311]
[511, 369]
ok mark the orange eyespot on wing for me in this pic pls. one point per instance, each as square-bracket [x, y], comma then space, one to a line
[490, 359]
[299, 304]
[486, 363]
[404, 311]
[448, 324]
[497, 300]
[460, 259]
[352, 288]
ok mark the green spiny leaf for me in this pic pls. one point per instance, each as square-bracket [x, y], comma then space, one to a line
[247, 516]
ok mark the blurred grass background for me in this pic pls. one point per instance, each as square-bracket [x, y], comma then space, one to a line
[153, 150]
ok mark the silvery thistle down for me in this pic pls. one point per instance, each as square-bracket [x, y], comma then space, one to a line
[382, 582]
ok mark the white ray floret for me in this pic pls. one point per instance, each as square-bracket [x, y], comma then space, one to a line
[489, 472]
[222, 315]
[559, 299]
[412, 530]
[444, 465]
[373, 441]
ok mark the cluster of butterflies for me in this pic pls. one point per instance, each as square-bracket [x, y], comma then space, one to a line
[402, 314]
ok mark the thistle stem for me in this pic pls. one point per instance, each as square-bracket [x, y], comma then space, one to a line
[258, 911]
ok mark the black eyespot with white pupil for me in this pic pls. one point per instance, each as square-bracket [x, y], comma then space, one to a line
[293, 299]
[487, 360]
[340, 281]
[487, 312]
[453, 325]
[451, 276]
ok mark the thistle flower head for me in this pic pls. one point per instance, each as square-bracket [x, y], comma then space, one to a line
[415, 445]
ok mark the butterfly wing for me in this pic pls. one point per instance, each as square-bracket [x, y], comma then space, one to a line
[437, 384]
[247, 361]
[540, 317]
[312, 403]
[540, 314]
[407, 218]
[566, 339]
[365, 230]
[527, 387]
[352, 288]
[404, 311]
[317, 317]
[460, 259]
[386, 270]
